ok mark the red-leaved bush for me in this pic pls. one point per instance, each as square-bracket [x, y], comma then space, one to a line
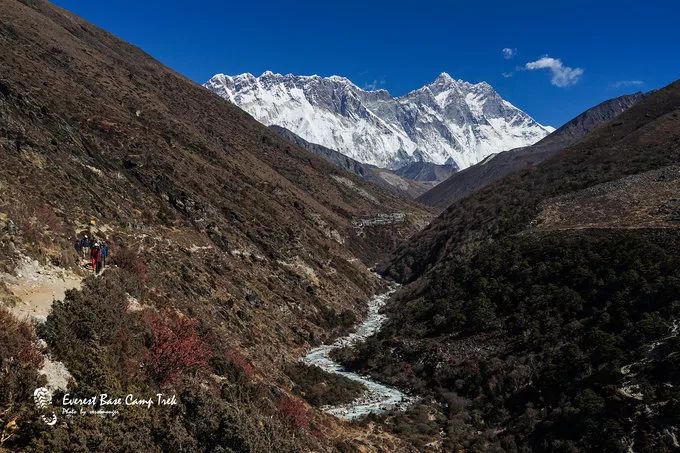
[294, 411]
[239, 361]
[176, 348]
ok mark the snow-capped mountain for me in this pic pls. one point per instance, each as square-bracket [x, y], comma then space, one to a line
[446, 121]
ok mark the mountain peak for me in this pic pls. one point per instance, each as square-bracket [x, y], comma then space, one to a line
[290, 76]
[341, 79]
[443, 80]
[444, 121]
[445, 77]
[244, 76]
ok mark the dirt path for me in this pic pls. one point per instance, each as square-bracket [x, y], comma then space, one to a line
[378, 397]
[36, 287]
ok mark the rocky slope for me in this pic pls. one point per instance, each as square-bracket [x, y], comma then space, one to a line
[502, 164]
[411, 180]
[227, 241]
[427, 172]
[529, 299]
[446, 121]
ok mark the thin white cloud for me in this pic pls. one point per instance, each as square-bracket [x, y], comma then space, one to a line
[508, 53]
[627, 84]
[507, 74]
[374, 85]
[562, 76]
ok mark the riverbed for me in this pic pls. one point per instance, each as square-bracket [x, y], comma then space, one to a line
[378, 397]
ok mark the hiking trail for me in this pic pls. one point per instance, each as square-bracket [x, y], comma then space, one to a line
[36, 287]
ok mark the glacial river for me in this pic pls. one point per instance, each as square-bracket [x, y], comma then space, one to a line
[378, 397]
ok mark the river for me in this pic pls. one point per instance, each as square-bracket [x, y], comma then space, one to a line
[378, 397]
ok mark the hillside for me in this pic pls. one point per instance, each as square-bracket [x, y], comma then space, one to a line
[640, 139]
[427, 171]
[541, 312]
[502, 164]
[226, 240]
[388, 179]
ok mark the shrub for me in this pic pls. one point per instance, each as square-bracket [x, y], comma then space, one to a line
[91, 331]
[239, 361]
[294, 411]
[30, 231]
[47, 216]
[175, 349]
[19, 362]
[129, 260]
[547, 324]
[17, 342]
[320, 388]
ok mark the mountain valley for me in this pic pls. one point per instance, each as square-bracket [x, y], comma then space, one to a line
[291, 263]
[106, 140]
[526, 300]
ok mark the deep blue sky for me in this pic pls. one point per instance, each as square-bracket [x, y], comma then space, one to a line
[622, 46]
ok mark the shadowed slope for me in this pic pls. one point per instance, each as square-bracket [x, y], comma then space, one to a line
[502, 164]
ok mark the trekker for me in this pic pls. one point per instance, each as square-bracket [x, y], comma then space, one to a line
[85, 247]
[105, 253]
[99, 261]
[94, 254]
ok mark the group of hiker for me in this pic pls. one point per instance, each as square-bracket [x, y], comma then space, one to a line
[94, 250]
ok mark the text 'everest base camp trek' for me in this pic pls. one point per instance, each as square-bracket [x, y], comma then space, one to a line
[309, 263]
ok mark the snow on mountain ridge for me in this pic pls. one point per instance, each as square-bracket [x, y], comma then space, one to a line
[446, 120]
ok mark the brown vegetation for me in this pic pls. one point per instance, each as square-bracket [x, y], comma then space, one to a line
[19, 364]
[321, 388]
[209, 215]
[531, 300]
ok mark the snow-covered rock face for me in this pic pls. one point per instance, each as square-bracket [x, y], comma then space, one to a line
[447, 120]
